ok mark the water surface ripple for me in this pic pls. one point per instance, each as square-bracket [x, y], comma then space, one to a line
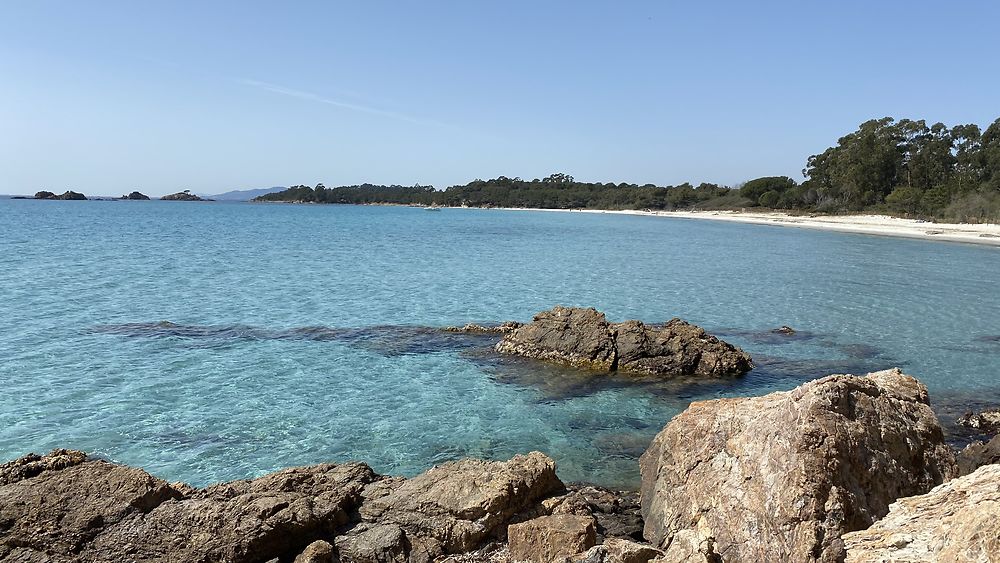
[309, 332]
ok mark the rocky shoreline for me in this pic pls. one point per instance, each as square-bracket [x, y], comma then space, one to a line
[844, 468]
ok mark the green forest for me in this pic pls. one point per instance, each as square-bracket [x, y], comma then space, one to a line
[904, 167]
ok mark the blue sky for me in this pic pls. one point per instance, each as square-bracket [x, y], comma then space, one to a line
[211, 96]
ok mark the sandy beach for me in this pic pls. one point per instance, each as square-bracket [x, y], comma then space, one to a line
[883, 225]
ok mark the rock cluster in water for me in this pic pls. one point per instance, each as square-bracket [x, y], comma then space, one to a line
[67, 195]
[584, 338]
[186, 195]
[843, 468]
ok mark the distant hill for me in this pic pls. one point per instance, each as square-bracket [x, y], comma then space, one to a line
[244, 195]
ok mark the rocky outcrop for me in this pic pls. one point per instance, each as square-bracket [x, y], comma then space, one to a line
[65, 507]
[551, 538]
[957, 521]
[136, 196]
[186, 195]
[584, 338]
[978, 454]
[783, 476]
[67, 195]
[985, 421]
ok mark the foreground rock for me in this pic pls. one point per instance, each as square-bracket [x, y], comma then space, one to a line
[551, 538]
[782, 477]
[957, 521]
[64, 507]
[584, 338]
[136, 196]
[186, 195]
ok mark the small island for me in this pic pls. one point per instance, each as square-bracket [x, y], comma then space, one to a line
[185, 195]
[136, 196]
[67, 195]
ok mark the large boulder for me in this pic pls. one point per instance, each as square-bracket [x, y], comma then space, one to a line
[455, 506]
[957, 521]
[783, 476]
[584, 338]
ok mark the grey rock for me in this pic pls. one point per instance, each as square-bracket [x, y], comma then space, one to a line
[783, 476]
[956, 521]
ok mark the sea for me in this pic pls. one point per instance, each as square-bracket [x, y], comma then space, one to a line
[208, 341]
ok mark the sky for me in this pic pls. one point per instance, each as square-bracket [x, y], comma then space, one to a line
[156, 96]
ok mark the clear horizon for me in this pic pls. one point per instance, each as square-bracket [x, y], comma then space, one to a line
[162, 97]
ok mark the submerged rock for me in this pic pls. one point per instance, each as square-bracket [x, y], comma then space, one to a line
[957, 521]
[783, 476]
[502, 328]
[784, 329]
[584, 338]
[64, 507]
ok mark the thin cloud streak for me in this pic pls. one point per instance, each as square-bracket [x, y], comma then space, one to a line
[338, 103]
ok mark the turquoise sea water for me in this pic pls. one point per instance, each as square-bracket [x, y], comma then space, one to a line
[300, 331]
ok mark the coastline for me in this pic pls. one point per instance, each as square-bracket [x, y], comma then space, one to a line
[882, 225]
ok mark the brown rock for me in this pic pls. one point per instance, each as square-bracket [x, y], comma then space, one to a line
[978, 454]
[782, 477]
[373, 544]
[957, 521]
[65, 505]
[551, 538]
[584, 338]
[987, 421]
[578, 337]
[627, 551]
[318, 551]
[32, 464]
[455, 506]
[274, 516]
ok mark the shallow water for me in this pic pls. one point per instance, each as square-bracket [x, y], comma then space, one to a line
[308, 333]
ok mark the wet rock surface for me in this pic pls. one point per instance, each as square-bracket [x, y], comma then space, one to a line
[584, 338]
[783, 476]
[502, 328]
[64, 507]
[957, 521]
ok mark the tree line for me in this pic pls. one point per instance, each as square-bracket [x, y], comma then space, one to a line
[900, 167]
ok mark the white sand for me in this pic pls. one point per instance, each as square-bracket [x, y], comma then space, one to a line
[863, 224]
